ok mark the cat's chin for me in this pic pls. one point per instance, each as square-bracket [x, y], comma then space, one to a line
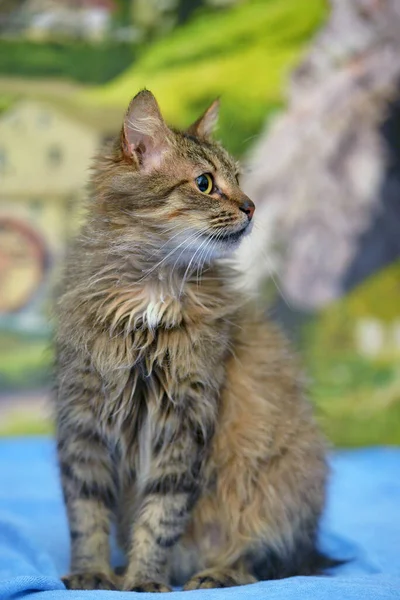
[230, 242]
[206, 249]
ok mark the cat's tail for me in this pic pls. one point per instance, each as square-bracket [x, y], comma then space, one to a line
[276, 566]
[320, 563]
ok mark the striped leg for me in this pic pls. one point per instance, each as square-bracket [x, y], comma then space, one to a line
[168, 495]
[86, 474]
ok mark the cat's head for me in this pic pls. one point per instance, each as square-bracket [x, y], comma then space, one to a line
[180, 188]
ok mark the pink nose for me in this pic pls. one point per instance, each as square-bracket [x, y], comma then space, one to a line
[248, 207]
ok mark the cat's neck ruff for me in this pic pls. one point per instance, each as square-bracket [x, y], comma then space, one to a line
[135, 300]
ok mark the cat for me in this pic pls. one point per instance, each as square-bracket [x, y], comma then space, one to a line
[180, 411]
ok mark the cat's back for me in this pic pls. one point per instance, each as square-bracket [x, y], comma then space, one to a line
[267, 387]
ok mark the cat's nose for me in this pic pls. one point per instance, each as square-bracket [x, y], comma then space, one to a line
[247, 206]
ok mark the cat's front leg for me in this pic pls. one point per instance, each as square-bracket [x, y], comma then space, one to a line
[169, 493]
[88, 490]
[88, 486]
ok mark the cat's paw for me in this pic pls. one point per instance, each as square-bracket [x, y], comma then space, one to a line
[217, 579]
[88, 581]
[206, 582]
[147, 586]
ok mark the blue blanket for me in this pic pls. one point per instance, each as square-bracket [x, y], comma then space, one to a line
[362, 523]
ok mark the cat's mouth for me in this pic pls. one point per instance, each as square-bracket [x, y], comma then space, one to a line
[225, 242]
[234, 236]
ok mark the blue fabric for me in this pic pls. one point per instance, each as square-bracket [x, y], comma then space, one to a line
[362, 522]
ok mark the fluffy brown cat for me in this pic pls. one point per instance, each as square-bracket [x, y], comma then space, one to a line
[180, 411]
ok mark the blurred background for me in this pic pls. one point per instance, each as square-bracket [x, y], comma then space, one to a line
[311, 104]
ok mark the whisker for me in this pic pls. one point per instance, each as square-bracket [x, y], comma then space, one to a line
[200, 264]
[147, 273]
[271, 271]
[211, 247]
[169, 239]
[200, 233]
[190, 262]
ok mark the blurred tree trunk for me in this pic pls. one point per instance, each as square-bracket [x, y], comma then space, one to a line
[7, 8]
[326, 176]
[186, 8]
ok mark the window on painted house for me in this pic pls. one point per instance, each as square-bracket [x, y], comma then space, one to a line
[43, 120]
[36, 206]
[3, 160]
[54, 156]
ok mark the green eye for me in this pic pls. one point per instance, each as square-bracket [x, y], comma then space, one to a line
[205, 183]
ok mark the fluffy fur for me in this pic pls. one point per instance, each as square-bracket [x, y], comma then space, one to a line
[180, 411]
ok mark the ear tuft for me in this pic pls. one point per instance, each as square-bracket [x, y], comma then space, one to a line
[205, 125]
[144, 132]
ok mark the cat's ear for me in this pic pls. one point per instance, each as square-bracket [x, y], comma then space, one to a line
[204, 126]
[144, 136]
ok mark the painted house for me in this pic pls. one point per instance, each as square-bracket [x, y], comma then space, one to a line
[47, 19]
[45, 153]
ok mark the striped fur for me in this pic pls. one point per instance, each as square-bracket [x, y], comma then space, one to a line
[180, 412]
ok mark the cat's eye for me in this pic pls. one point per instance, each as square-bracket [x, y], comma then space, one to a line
[205, 183]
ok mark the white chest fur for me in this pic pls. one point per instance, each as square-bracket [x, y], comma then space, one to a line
[159, 307]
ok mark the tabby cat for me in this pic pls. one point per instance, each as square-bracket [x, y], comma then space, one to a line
[180, 411]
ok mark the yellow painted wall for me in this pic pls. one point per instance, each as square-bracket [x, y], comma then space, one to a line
[44, 166]
[32, 134]
[52, 217]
